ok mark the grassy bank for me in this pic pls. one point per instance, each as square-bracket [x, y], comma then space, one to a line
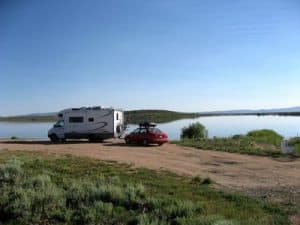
[258, 142]
[43, 189]
[133, 117]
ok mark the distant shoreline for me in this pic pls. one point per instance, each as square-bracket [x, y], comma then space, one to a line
[138, 116]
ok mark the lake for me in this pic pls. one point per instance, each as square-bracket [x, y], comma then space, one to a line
[220, 126]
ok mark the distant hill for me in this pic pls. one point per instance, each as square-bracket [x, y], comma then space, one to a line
[133, 116]
[42, 114]
[292, 110]
[160, 116]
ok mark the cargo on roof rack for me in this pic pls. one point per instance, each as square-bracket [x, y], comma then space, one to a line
[147, 124]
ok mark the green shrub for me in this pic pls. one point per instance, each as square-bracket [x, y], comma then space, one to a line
[82, 216]
[46, 198]
[204, 220]
[146, 219]
[180, 208]
[10, 173]
[294, 141]
[199, 180]
[194, 131]
[237, 136]
[28, 200]
[266, 136]
[207, 180]
[133, 196]
[56, 197]
[75, 196]
[170, 209]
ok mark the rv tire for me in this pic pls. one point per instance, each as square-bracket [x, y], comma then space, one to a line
[92, 138]
[54, 138]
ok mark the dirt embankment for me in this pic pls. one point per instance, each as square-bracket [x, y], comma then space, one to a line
[273, 179]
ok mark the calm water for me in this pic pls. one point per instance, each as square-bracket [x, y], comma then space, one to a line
[221, 126]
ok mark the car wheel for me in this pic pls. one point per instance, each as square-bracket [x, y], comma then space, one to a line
[145, 142]
[54, 138]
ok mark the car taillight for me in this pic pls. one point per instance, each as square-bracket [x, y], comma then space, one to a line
[156, 135]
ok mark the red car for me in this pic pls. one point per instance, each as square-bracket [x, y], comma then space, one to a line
[147, 134]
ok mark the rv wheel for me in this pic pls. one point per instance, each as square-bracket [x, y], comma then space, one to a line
[92, 138]
[53, 138]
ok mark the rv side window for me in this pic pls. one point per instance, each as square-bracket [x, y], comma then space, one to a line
[117, 116]
[91, 119]
[75, 119]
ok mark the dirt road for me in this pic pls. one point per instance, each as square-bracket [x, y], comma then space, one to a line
[273, 179]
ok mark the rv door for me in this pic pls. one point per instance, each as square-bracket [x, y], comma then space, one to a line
[76, 124]
[59, 129]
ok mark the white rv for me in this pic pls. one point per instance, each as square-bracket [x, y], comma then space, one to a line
[94, 123]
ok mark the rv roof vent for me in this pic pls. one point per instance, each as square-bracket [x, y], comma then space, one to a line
[96, 107]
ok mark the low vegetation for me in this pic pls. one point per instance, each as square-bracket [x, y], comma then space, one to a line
[43, 189]
[258, 142]
[265, 136]
[295, 141]
[194, 131]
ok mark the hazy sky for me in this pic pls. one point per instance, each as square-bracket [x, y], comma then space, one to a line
[186, 55]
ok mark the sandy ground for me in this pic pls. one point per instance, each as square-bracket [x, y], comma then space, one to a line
[273, 179]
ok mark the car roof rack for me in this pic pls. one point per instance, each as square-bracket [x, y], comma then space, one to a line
[147, 124]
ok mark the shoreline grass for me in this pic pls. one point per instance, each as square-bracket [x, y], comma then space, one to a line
[230, 145]
[257, 142]
[154, 197]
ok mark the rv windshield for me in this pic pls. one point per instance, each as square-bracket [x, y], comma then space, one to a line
[59, 123]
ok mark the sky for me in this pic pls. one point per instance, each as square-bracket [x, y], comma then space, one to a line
[184, 55]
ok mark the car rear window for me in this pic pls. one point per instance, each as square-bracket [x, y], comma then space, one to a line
[155, 130]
